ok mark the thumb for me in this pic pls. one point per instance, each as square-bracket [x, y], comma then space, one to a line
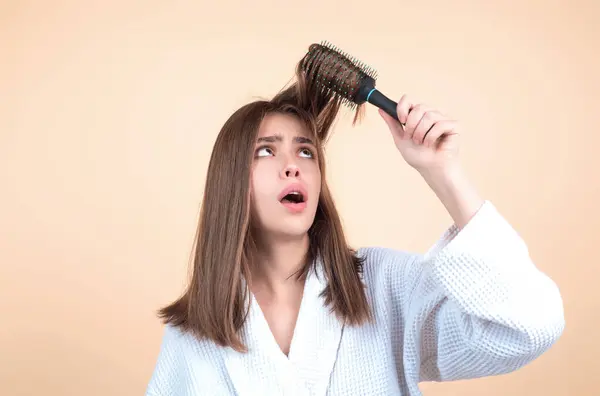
[394, 126]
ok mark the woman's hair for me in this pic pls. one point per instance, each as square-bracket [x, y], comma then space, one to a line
[215, 305]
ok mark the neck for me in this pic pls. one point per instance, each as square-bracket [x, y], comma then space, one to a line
[277, 261]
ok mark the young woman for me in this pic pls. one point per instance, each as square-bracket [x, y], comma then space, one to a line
[279, 304]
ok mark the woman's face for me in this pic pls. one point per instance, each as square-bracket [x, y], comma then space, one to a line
[286, 178]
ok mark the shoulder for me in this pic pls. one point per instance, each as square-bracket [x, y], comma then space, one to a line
[182, 360]
[381, 261]
[378, 255]
[391, 270]
[183, 343]
[174, 338]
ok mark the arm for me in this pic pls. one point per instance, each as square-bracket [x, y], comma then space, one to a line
[457, 194]
[477, 305]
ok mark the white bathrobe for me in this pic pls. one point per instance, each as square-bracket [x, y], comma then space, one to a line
[474, 305]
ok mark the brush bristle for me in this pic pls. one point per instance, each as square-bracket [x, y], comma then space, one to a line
[334, 71]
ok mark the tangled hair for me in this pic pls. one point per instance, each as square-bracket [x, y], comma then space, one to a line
[214, 305]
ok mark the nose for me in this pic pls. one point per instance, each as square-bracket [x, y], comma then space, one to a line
[290, 171]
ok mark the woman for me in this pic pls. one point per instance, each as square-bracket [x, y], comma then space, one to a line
[279, 304]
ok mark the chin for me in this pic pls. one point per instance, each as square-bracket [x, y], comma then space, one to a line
[290, 226]
[293, 228]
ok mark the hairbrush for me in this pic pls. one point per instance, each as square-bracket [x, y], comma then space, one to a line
[346, 77]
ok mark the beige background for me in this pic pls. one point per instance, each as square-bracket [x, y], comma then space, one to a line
[108, 112]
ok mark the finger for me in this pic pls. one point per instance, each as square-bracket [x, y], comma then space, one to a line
[439, 128]
[425, 124]
[393, 125]
[413, 119]
[404, 107]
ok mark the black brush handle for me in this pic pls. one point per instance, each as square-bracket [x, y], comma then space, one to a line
[378, 99]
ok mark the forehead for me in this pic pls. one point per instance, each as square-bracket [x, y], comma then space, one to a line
[285, 125]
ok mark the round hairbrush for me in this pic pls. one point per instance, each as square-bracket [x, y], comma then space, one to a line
[349, 79]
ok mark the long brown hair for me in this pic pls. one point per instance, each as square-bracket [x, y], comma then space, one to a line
[214, 305]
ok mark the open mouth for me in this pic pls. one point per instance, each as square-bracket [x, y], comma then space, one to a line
[293, 197]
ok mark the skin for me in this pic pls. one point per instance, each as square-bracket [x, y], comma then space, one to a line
[284, 155]
[425, 138]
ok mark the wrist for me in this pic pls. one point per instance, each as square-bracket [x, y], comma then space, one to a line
[443, 177]
[458, 195]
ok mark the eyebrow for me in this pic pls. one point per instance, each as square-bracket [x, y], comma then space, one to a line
[278, 138]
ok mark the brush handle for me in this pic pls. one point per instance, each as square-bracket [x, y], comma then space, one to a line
[378, 99]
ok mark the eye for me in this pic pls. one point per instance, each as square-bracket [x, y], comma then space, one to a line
[305, 152]
[264, 152]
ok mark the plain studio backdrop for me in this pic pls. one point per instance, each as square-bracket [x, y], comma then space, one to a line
[109, 110]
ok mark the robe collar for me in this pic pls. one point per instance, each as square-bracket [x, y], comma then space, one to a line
[265, 369]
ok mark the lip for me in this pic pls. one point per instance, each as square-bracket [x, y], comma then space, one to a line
[293, 187]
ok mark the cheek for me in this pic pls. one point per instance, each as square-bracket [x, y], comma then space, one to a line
[260, 184]
[255, 188]
[313, 177]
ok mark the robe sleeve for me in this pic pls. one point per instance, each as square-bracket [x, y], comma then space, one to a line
[475, 304]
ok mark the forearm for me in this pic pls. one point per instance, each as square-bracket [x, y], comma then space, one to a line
[456, 192]
[495, 312]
